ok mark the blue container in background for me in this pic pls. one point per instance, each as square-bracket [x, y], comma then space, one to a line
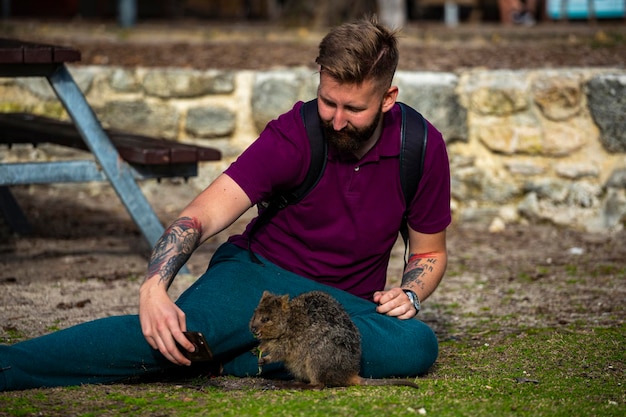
[579, 9]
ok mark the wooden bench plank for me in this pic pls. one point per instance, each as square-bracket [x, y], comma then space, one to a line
[157, 151]
[135, 149]
[10, 55]
[38, 55]
[65, 54]
[13, 51]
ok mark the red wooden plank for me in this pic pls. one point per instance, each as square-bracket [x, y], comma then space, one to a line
[65, 54]
[10, 55]
[143, 156]
[37, 54]
[136, 149]
[13, 51]
[140, 150]
[154, 150]
[183, 154]
[209, 154]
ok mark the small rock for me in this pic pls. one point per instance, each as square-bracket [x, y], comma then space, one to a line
[497, 225]
[575, 251]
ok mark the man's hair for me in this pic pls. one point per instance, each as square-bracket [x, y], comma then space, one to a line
[356, 52]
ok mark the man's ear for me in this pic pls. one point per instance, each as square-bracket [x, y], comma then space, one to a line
[389, 100]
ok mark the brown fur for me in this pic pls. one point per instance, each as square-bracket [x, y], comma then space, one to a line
[314, 337]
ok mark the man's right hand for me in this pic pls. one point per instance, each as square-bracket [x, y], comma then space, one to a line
[213, 210]
[163, 323]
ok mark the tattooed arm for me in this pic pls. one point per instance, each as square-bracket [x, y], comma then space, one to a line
[162, 322]
[422, 274]
[174, 249]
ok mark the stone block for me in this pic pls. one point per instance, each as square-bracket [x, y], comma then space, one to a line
[210, 122]
[613, 213]
[475, 184]
[617, 179]
[564, 139]
[434, 96]
[124, 80]
[496, 93]
[524, 167]
[524, 134]
[551, 189]
[606, 95]
[576, 170]
[275, 92]
[510, 135]
[558, 95]
[141, 118]
[181, 83]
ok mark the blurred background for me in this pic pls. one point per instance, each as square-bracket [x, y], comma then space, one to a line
[320, 13]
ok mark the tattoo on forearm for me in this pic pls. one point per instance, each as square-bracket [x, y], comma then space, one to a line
[174, 249]
[416, 269]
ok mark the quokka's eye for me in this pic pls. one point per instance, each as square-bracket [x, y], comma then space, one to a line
[265, 319]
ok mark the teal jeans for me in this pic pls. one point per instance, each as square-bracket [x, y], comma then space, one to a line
[219, 304]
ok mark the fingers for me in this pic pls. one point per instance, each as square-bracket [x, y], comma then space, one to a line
[163, 329]
[167, 346]
[394, 303]
[166, 343]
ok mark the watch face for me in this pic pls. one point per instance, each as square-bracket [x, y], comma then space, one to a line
[413, 298]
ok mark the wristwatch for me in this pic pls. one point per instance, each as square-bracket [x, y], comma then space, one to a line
[414, 300]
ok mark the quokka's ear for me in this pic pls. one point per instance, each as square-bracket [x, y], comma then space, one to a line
[267, 294]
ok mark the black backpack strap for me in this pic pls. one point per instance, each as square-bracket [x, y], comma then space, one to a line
[414, 136]
[319, 151]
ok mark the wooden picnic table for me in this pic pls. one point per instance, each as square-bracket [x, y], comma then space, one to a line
[119, 158]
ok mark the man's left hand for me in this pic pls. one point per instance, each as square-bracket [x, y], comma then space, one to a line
[394, 303]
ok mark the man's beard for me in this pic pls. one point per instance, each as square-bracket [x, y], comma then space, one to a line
[350, 139]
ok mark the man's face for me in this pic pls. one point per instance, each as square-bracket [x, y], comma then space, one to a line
[350, 138]
[350, 114]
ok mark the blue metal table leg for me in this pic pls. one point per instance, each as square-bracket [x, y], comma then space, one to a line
[118, 171]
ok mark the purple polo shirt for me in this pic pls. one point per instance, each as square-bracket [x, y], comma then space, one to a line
[341, 234]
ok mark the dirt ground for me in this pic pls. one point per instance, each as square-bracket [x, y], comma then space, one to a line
[85, 258]
[420, 49]
[424, 45]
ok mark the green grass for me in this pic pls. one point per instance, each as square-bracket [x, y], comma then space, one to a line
[12, 335]
[55, 326]
[535, 372]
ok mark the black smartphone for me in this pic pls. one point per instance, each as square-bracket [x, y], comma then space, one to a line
[202, 352]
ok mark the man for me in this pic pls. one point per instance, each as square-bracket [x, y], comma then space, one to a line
[518, 12]
[338, 239]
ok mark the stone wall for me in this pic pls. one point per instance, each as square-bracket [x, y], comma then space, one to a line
[538, 146]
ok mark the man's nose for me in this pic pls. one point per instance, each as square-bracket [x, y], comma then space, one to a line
[339, 120]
